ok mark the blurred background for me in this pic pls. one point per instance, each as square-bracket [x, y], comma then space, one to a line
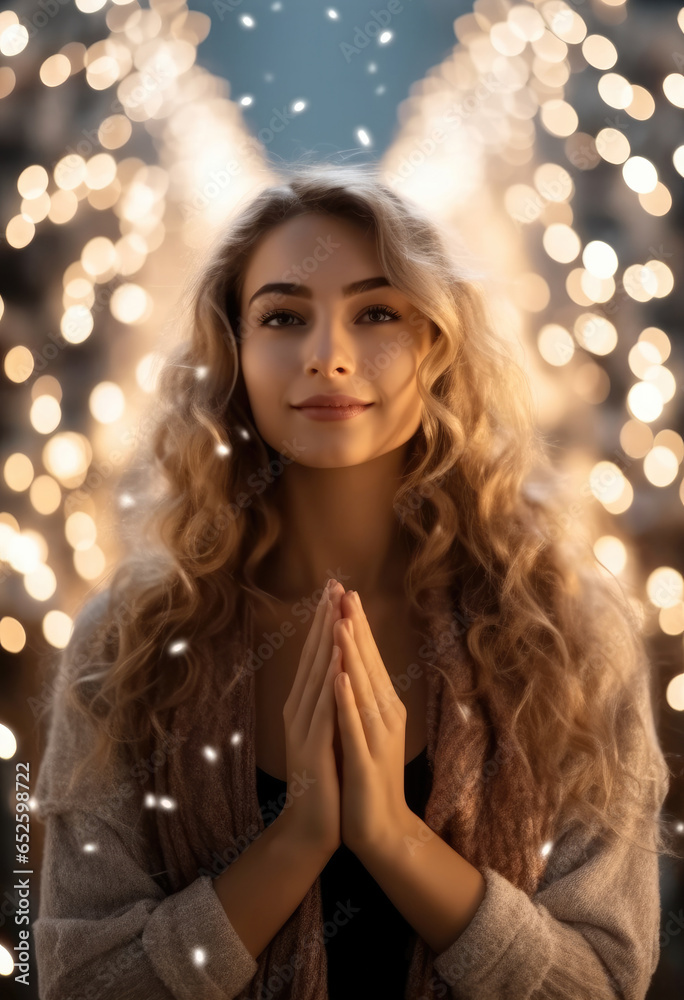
[547, 137]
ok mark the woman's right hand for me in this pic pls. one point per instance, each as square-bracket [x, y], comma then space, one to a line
[310, 714]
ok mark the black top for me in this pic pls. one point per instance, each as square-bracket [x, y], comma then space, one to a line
[368, 942]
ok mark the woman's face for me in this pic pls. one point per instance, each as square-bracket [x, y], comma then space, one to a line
[320, 336]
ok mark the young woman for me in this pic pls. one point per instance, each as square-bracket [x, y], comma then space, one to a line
[439, 775]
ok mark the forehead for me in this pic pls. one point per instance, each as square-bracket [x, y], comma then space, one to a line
[326, 250]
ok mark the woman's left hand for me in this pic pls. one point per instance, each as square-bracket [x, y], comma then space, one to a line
[372, 723]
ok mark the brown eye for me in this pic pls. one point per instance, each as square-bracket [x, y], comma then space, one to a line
[276, 313]
[385, 311]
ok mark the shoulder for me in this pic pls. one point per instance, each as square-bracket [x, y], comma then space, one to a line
[638, 742]
[69, 735]
[86, 643]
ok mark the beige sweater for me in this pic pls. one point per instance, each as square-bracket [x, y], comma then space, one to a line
[108, 929]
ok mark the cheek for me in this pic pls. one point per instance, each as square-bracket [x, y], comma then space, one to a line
[396, 366]
[260, 366]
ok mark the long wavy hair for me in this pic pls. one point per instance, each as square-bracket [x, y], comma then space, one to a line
[554, 639]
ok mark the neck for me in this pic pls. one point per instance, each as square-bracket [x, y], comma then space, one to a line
[339, 523]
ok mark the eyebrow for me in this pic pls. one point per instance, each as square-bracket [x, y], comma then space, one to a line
[288, 288]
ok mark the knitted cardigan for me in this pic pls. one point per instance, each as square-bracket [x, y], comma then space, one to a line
[127, 908]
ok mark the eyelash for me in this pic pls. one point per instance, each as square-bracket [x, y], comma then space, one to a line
[386, 310]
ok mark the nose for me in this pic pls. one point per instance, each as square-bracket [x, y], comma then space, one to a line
[328, 350]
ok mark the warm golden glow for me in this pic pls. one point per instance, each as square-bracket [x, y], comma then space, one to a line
[612, 146]
[147, 371]
[665, 587]
[18, 363]
[611, 553]
[595, 333]
[99, 257]
[32, 181]
[20, 230]
[661, 466]
[640, 174]
[131, 251]
[76, 324]
[641, 356]
[599, 51]
[561, 243]
[67, 456]
[678, 159]
[145, 59]
[45, 494]
[558, 117]
[80, 530]
[107, 402]
[130, 303]
[600, 259]
[623, 502]
[18, 471]
[555, 344]
[671, 620]
[673, 88]
[590, 382]
[553, 182]
[674, 693]
[596, 289]
[607, 482]
[55, 70]
[100, 170]
[658, 201]
[36, 208]
[69, 172]
[102, 72]
[525, 22]
[90, 563]
[658, 339]
[63, 205]
[663, 379]
[615, 90]
[57, 628]
[13, 40]
[640, 282]
[644, 402]
[671, 440]
[114, 131]
[643, 105]
[12, 640]
[7, 81]
[636, 439]
[40, 583]
[45, 414]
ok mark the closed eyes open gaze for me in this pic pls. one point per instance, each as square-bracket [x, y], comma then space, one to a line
[384, 310]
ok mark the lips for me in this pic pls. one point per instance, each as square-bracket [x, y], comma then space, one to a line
[328, 399]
